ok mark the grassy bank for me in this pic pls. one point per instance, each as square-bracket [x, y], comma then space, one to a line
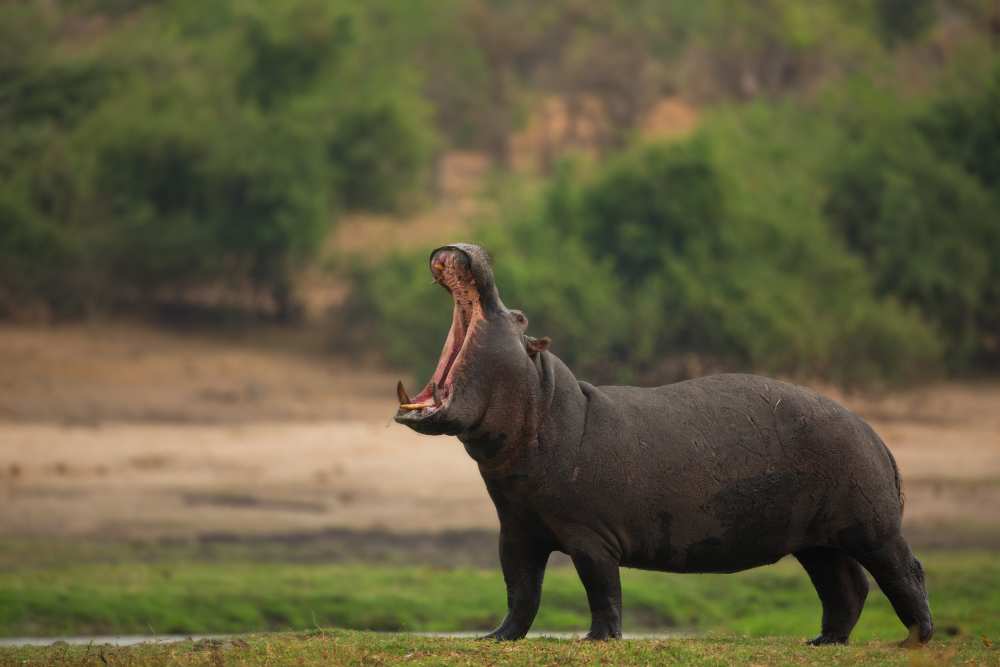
[361, 648]
[178, 593]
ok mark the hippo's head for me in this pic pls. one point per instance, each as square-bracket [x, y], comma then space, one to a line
[486, 364]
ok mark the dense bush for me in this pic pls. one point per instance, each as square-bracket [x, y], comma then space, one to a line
[196, 149]
[565, 292]
[379, 152]
[925, 229]
[650, 207]
[918, 199]
[903, 20]
[239, 199]
[830, 224]
[647, 261]
[963, 125]
[853, 236]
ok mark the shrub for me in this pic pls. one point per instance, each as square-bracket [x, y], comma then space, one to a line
[646, 261]
[215, 152]
[564, 294]
[378, 152]
[653, 205]
[925, 229]
[903, 20]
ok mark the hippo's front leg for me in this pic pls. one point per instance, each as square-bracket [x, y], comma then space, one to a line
[602, 582]
[523, 564]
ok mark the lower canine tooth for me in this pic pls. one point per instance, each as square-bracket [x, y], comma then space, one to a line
[401, 394]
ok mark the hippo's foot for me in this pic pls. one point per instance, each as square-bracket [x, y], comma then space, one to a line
[508, 631]
[603, 629]
[918, 636]
[901, 578]
[503, 634]
[823, 640]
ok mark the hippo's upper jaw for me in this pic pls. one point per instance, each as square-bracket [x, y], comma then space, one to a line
[454, 396]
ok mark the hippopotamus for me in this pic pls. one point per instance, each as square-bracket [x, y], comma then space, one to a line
[714, 474]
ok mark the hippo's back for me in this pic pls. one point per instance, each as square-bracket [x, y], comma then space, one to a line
[730, 471]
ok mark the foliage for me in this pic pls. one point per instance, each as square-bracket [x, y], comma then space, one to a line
[851, 236]
[898, 21]
[610, 63]
[916, 197]
[668, 251]
[578, 304]
[149, 161]
[379, 151]
[833, 222]
[925, 229]
[963, 125]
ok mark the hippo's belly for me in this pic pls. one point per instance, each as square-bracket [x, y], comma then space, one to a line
[753, 521]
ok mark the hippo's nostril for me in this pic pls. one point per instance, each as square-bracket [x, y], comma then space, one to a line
[455, 258]
[450, 264]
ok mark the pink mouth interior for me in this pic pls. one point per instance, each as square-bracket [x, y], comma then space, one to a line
[449, 270]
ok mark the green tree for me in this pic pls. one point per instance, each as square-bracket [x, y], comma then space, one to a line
[190, 147]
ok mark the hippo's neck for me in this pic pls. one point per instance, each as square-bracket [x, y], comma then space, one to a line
[545, 414]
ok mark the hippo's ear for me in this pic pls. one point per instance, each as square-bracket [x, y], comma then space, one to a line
[536, 345]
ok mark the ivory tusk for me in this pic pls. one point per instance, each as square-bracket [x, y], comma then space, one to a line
[414, 406]
[401, 393]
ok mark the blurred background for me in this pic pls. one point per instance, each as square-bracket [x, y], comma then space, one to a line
[215, 220]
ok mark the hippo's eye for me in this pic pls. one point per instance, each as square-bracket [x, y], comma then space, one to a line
[520, 319]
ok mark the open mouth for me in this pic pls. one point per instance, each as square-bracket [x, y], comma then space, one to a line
[450, 268]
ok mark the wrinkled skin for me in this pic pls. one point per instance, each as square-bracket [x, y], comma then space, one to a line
[716, 474]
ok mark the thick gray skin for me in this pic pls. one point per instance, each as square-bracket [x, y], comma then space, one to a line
[716, 474]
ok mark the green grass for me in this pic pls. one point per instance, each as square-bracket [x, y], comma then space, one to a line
[363, 648]
[178, 593]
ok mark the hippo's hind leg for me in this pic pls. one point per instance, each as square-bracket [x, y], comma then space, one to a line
[901, 577]
[842, 587]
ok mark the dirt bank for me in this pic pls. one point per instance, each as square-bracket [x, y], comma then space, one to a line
[127, 432]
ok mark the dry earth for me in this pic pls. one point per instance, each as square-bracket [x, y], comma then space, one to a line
[129, 432]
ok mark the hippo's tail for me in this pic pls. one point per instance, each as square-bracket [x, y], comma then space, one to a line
[895, 468]
[898, 479]
[895, 473]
